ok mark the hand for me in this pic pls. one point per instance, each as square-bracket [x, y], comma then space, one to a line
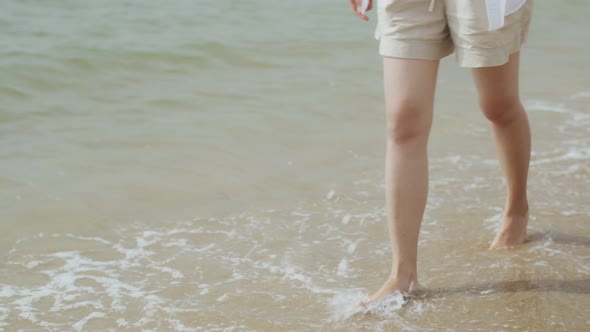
[356, 6]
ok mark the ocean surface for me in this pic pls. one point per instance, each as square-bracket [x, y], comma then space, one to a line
[218, 166]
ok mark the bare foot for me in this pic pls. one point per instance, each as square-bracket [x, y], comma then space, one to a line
[512, 233]
[404, 285]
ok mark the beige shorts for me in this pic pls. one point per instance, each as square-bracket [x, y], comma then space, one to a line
[407, 29]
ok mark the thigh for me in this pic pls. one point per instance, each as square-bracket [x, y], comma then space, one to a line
[409, 80]
[498, 84]
[409, 97]
[409, 87]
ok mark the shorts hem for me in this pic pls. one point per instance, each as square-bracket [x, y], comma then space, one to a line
[413, 50]
[473, 58]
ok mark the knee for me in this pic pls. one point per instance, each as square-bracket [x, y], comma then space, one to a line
[408, 121]
[500, 109]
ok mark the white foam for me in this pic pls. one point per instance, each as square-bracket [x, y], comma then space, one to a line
[580, 95]
[572, 154]
[121, 322]
[344, 305]
[352, 247]
[342, 267]
[388, 306]
[346, 219]
[7, 291]
[546, 107]
[80, 324]
[493, 223]
[330, 194]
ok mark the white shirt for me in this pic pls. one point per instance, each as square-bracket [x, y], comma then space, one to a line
[498, 9]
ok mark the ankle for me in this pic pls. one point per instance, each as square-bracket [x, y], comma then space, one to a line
[514, 221]
[403, 274]
[405, 282]
[517, 210]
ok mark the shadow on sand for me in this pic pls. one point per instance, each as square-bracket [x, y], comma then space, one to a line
[581, 286]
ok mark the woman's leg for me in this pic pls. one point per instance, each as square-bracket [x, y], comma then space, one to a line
[409, 96]
[500, 102]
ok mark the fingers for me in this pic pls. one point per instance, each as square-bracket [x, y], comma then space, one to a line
[356, 6]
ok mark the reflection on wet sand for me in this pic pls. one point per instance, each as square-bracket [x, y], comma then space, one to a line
[581, 286]
[559, 237]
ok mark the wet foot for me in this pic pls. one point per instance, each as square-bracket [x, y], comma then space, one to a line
[405, 285]
[512, 233]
